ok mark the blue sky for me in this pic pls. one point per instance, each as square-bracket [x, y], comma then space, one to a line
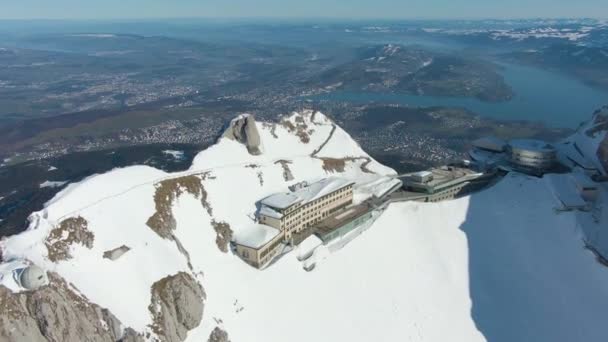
[88, 9]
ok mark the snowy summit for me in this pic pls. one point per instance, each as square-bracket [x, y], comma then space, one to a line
[139, 254]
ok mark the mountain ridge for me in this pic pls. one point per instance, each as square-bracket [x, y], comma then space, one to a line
[417, 272]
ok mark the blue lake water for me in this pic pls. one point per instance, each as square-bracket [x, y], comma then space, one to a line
[542, 96]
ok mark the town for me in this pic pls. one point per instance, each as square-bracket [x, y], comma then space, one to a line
[323, 213]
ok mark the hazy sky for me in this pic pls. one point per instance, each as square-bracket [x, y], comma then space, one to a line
[87, 9]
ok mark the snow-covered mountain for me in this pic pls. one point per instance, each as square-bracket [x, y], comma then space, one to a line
[140, 254]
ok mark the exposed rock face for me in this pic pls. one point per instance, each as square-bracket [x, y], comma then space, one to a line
[601, 125]
[338, 165]
[300, 128]
[70, 231]
[224, 235]
[244, 130]
[177, 306]
[287, 175]
[332, 165]
[163, 222]
[56, 313]
[167, 191]
[219, 335]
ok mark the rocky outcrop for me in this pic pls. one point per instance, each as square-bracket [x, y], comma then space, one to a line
[224, 235]
[70, 231]
[244, 130]
[167, 191]
[338, 165]
[601, 126]
[177, 306]
[57, 313]
[163, 222]
[298, 127]
[218, 335]
[287, 175]
[334, 165]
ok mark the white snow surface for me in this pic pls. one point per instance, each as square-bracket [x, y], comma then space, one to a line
[306, 247]
[494, 266]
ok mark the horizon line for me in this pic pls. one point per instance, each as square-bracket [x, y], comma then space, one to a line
[303, 18]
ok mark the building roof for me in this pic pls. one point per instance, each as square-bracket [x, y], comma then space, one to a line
[531, 145]
[306, 194]
[281, 200]
[423, 173]
[255, 236]
[342, 217]
[444, 177]
[270, 212]
[490, 143]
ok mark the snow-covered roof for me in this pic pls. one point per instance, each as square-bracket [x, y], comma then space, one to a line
[423, 173]
[281, 200]
[304, 195]
[531, 145]
[255, 236]
[268, 211]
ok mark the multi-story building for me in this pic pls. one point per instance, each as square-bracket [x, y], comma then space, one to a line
[284, 214]
[306, 205]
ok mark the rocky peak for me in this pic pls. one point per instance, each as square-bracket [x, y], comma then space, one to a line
[244, 130]
[600, 126]
[56, 312]
[177, 306]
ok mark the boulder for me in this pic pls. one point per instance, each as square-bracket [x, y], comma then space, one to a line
[244, 130]
[218, 335]
[177, 306]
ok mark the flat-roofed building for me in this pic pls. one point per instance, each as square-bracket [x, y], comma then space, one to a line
[292, 212]
[258, 244]
[443, 183]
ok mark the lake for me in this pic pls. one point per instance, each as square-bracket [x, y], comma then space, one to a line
[540, 95]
